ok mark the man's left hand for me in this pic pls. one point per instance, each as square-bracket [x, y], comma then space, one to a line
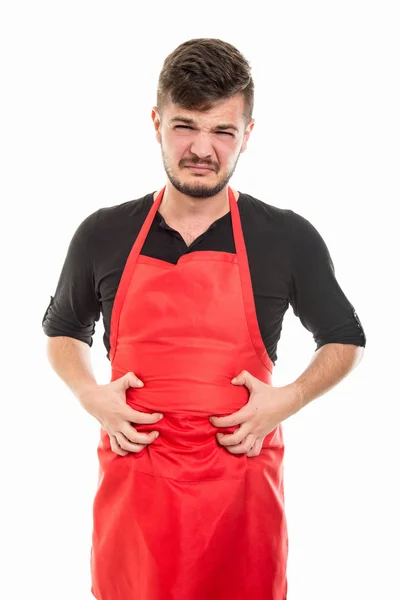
[266, 408]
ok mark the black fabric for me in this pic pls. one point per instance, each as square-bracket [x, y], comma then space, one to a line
[288, 259]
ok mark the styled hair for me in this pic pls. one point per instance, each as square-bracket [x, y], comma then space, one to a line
[202, 71]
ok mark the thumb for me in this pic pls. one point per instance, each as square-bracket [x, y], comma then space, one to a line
[130, 380]
[244, 378]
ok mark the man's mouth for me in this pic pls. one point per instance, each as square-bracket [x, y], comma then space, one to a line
[200, 167]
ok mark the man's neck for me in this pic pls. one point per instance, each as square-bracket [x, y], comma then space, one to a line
[184, 209]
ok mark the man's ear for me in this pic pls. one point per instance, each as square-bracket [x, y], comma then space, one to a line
[155, 115]
[246, 136]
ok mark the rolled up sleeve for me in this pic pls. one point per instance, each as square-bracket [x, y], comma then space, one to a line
[315, 294]
[74, 308]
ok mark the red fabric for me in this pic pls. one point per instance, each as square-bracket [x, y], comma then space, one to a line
[184, 519]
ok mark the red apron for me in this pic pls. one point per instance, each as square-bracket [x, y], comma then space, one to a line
[184, 519]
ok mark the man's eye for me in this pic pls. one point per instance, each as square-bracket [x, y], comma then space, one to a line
[187, 127]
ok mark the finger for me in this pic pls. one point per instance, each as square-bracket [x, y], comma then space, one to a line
[136, 416]
[130, 380]
[115, 447]
[232, 439]
[247, 443]
[244, 378]
[256, 448]
[127, 445]
[138, 437]
[235, 418]
[243, 447]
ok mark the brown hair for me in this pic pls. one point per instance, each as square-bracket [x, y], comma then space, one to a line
[202, 71]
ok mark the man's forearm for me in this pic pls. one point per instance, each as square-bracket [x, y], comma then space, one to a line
[328, 366]
[70, 359]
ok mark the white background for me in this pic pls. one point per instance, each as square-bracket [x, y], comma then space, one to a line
[79, 80]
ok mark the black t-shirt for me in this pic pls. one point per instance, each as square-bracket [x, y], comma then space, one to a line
[288, 259]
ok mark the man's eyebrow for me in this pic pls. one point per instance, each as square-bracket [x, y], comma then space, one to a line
[191, 122]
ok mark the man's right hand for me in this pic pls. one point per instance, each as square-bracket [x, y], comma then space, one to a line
[107, 403]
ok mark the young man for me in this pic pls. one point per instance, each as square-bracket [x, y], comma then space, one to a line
[193, 282]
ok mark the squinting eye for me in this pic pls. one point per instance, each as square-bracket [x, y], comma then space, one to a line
[187, 127]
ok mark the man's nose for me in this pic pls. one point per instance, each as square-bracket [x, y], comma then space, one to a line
[202, 145]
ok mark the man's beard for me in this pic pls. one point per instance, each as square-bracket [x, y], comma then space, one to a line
[197, 190]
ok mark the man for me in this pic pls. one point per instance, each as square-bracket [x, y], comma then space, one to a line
[193, 282]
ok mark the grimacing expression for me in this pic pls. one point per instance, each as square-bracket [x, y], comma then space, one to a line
[200, 150]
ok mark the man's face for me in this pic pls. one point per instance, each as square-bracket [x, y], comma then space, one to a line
[213, 140]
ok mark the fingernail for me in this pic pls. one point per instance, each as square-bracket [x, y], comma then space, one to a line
[160, 416]
[140, 383]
